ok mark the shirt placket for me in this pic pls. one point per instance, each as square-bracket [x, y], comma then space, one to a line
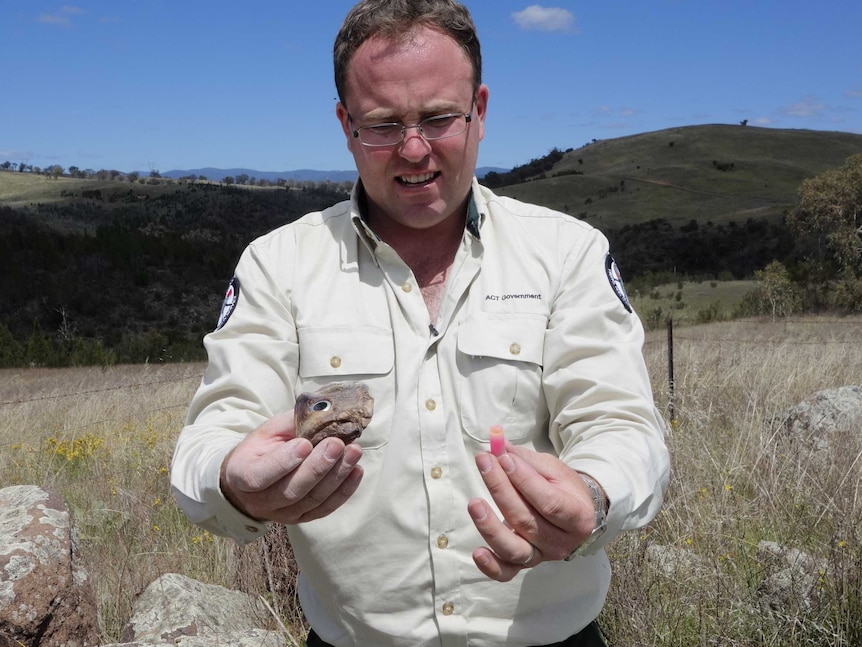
[439, 486]
[437, 464]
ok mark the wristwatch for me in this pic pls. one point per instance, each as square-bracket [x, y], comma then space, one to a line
[601, 517]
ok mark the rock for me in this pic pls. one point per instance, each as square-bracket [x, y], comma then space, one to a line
[248, 638]
[791, 588]
[820, 418]
[177, 610]
[676, 563]
[46, 598]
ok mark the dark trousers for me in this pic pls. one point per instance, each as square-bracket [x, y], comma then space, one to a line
[589, 636]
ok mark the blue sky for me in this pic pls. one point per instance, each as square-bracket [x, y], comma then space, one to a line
[181, 84]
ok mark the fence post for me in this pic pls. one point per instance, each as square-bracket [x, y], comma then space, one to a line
[671, 404]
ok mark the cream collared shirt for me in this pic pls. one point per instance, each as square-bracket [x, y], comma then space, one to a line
[531, 335]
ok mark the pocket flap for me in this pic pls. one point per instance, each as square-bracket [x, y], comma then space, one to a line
[345, 351]
[512, 337]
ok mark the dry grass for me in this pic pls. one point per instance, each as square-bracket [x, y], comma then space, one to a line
[736, 481]
[103, 439]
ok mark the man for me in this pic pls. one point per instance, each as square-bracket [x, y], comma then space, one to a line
[460, 310]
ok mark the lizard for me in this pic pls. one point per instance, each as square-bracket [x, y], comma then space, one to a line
[342, 410]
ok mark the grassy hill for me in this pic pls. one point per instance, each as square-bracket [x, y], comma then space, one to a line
[715, 173]
[142, 267]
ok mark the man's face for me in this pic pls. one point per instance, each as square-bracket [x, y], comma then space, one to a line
[415, 184]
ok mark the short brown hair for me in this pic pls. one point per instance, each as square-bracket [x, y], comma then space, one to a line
[393, 19]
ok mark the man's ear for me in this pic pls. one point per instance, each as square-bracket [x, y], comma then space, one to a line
[344, 120]
[481, 107]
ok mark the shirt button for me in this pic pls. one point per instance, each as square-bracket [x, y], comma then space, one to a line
[436, 472]
[335, 361]
[251, 528]
[448, 609]
[442, 541]
[407, 286]
[515, 349]
[430, 404]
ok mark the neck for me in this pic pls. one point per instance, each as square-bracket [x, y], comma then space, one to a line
[428, 252]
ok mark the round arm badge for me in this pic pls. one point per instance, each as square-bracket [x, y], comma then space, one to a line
[616, 281]
[229, 303]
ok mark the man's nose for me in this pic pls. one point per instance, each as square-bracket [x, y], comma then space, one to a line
[414, 146]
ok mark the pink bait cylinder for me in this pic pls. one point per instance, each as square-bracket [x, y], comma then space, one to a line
[498, 440]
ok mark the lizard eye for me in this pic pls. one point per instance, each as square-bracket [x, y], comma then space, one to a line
[321, 405]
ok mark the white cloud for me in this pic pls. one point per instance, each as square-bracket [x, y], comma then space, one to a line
[855, 92]
[62, 17]
[538, 18]
[608, 111]
[16, 156]
[809, 106]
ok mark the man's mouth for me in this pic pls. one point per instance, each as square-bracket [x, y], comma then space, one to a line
[416, 180]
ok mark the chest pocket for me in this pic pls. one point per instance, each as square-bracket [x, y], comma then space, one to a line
[500, 371]
[352, 354]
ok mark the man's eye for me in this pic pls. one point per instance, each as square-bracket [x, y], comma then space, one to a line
[384, 129]
[440, 121]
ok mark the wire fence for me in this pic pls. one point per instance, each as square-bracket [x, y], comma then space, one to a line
[797, 333]
[107, 389]
[675, 337]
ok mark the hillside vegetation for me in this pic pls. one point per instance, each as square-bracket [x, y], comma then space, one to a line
[107, 271]
[717, 174]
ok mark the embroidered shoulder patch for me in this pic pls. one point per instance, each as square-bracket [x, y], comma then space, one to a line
[616, 281]
[229, 303]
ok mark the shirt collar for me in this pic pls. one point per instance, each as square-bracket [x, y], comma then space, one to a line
[474, 219]
[359, 213]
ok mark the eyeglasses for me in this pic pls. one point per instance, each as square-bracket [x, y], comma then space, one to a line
[431, 128]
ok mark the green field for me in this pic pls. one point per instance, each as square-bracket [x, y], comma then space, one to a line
[690, 302]
[25, 189]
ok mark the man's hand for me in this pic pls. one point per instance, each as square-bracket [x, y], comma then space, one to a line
[547, 511]
[272, 475]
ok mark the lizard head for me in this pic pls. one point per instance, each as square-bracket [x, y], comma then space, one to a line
[342, 410]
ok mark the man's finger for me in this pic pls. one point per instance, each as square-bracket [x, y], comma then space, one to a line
[549, 486]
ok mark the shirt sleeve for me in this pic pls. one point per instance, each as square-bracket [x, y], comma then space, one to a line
[603, 418]
[251, 370]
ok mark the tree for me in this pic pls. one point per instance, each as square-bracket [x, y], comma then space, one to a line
[777, 291]
[828, 214]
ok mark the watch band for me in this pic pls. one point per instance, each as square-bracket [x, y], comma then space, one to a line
[601, 517]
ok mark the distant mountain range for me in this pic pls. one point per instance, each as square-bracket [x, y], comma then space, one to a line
[299, 175]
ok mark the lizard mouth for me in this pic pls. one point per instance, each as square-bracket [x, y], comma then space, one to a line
[346, 430]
